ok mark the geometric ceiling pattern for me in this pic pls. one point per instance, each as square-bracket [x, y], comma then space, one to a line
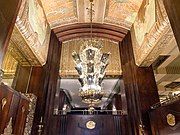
[116, 12]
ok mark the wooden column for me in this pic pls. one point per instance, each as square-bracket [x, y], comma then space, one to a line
[173, 10]
[50, 84]
[8, 13]
[43, 83]
[140, 88]
[117, 101]
[36, 87]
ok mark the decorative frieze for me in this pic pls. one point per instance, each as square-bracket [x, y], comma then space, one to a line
[21, 51]
[156, 38]
[32, 24]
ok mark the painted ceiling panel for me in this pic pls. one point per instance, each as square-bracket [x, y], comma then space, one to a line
[122, 12]
[60, 12]
[117, 12]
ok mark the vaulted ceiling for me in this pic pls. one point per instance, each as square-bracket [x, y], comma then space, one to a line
[116, 12]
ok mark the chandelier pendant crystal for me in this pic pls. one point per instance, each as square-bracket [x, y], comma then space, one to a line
[90, 65]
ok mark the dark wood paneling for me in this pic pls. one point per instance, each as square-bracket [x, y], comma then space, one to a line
[36, 87]
[105, 125]
[6, 93]
[21, 115]
[117, 102]
[123, 96]
[8, 13]
[16, 108]
[43, 83]
[21, 80]
[159, 123]
[51, 70]
[140, 88]
[36, 81]
[173, 10]
[77, 124]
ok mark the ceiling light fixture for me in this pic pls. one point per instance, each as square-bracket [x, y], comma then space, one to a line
[90, 65]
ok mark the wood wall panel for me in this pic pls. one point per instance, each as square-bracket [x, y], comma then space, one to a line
[43, 83]
[8, 13]
[22, 78]
[51, 70]
[77, 124]
[13, 109]
[4, 114]
[117, 102]
[140, 88]
[105, 125]
[173, 10]
[22, 112]
[36, 87]
[159, 123]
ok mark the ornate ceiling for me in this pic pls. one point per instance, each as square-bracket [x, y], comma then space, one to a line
[116, 12]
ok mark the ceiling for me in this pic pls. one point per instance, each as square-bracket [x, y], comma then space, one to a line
[116, 12]
[73, 85]
[167, 74]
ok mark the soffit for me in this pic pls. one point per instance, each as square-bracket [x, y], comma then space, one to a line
[116, 12]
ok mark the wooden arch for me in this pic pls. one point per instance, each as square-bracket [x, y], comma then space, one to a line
[83, 30]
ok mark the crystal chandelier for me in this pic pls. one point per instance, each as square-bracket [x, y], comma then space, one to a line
[90, 65]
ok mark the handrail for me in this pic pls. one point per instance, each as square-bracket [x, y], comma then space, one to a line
[167, 101]
[87, 112]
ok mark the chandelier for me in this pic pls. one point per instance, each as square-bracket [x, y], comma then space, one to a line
[90, 65]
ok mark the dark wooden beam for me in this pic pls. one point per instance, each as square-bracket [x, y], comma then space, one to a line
[88, 35]
[83, 30]
[51, 70]
[140, 88]
[88, 30]
[43, 83]
[87, 25]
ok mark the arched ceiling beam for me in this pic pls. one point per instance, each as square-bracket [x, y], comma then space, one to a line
[83, 30]
[88, 35]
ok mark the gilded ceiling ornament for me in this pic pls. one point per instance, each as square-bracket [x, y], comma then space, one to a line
[37, 33]
[121, 12]
[64, 12]
[171, 119]
[90, 124]
[155, 38]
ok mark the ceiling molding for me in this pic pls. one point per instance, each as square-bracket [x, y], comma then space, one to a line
[79, 30]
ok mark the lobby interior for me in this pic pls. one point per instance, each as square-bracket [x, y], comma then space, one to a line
[89, 67]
